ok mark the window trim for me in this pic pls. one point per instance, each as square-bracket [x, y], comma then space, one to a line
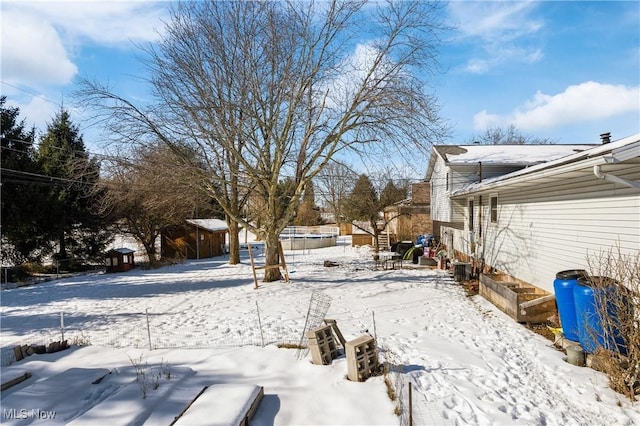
[493, 209]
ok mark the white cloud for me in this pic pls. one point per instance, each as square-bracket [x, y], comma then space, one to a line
[104, 22]
[579, 103]
[478, 66]
[32, 51]
[40, 39]
[494, 20]
[37, 111]
[349, 75]
[497, 27]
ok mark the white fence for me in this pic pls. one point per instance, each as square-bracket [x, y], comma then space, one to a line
[309, 237]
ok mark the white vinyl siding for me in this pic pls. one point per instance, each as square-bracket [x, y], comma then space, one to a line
[440, 202]
[555, 227]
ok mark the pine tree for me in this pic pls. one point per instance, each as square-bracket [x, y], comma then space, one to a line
[308, 212]
[364, 204]
[79, 232]
[21, 190]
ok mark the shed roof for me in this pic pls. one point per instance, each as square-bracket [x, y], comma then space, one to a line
[209, 224]
[122, 250]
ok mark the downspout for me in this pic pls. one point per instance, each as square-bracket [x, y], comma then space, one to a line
[480, 205]
[615, 179]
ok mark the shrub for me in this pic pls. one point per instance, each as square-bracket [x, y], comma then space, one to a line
[616, 283]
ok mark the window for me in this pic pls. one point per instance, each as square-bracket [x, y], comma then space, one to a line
[125, 258]
[108, 261]
[470, 209]
[115, 261]
[493, 208]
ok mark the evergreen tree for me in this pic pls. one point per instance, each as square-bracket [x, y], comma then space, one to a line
[22, 191]
[308, 212]
[80, 233]
[392, 193]
[364, 204]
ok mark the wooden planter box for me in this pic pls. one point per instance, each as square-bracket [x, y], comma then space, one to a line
[521, 301]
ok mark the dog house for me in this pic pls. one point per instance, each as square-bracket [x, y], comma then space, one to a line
[119, 260]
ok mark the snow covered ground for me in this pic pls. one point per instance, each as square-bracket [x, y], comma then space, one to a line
[466, 361]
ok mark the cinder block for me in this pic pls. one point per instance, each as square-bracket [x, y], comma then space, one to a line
[362, 358]
[322, 345]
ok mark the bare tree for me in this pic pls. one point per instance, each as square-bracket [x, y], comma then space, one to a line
[268, 90]
[335, 183]
[146, 191]
[508, 135]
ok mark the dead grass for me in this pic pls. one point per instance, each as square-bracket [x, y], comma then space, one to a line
[291, 346]
[391, 392]
[471, 287]
[543, 330]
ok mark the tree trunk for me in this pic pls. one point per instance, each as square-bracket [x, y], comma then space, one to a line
[62, 261]
[234, 243]
[150, 248]
[272, 257]
[376, 235]
[62, 253]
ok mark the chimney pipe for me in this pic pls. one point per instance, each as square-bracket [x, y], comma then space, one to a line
[605, 137]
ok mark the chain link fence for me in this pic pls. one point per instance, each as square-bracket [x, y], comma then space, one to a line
[150, 330]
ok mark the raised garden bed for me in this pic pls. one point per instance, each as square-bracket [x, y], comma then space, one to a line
[522, 301]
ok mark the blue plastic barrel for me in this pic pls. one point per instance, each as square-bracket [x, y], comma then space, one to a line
[591, 328]
[563, 287]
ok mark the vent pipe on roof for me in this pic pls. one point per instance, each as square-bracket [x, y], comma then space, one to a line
[605, 137]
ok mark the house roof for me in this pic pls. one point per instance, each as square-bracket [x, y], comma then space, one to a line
[209, 224]
[507, 154]
[510, 155]
[622, 150]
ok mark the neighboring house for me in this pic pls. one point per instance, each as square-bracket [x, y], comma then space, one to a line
[196, 239]
[411, 217]
[534, 219]
[119, 260]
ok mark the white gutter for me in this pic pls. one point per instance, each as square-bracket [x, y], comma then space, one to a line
[615, 179]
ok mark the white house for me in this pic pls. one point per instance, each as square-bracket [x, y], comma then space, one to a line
[533, 210]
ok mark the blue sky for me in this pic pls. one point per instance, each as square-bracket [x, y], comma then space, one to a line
[562, 70]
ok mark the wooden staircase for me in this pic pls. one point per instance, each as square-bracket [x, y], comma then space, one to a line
[384, 242]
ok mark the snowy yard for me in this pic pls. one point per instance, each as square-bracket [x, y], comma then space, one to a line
[468, 363]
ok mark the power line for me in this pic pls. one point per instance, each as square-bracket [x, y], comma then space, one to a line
[31, 93]
[60, 148]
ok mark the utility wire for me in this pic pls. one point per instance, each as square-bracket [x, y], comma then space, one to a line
[31, 93]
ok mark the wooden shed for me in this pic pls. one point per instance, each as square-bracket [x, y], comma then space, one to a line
[119, 260]
[195, 239]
